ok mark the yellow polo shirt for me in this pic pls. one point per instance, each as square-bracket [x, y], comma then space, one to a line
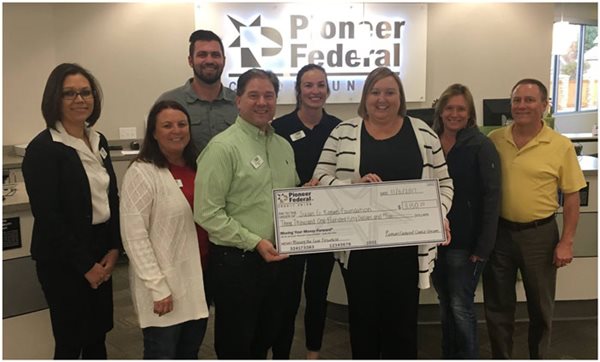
[532, 175]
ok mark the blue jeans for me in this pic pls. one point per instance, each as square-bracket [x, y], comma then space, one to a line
[455, 278]
[180, 341]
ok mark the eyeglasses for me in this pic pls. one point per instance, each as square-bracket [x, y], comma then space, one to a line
[70, 95]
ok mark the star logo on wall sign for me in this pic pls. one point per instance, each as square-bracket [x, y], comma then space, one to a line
[255, 39]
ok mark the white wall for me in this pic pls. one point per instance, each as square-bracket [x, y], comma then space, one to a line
[136, 50]
[28, 56]
[487, 47]
[139, 50]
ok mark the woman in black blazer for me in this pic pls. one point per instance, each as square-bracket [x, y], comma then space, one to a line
[73, 195]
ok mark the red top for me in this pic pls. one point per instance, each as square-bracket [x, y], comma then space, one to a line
[186, 175]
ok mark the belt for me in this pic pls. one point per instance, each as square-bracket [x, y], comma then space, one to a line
[230, 250]
[518, 226]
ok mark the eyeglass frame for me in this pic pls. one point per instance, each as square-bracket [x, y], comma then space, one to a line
[78, 94]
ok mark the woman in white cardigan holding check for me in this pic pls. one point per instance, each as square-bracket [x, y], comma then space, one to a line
[383, 284]
[161, 239]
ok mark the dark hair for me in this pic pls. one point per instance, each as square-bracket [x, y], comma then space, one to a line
[52, 99]
[204, 35]
[376, 75]
[541, 86]
[248, 75]
[150, 151]
[454, 90]
[299, 76]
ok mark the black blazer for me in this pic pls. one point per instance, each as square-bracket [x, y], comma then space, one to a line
[60, 199]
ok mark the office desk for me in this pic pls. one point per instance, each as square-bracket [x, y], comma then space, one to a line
[578, 281]
[581, 137]
[25, 312]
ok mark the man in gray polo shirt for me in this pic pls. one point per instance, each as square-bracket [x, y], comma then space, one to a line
[210, 104]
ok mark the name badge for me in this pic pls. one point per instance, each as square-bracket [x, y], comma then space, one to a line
[257, 161]
[103, 153]
[297, 136]
[179, 183]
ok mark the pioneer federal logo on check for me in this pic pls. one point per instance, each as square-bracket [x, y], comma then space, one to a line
[295, 198]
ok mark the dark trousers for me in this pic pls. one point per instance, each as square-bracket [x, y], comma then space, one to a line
[247, 303]
[318, 274]
[455, 278]
[90, 349]
[531, 251]
[383, 301]
[80, 316]
[180, 341]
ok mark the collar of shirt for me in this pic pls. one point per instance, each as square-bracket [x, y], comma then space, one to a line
[61, 135]
[465, 134]
[191, 96]
[254, 131]
[543, 136]
[303, 126]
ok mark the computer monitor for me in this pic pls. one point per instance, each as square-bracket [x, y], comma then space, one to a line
[496, 112]
[426, 114]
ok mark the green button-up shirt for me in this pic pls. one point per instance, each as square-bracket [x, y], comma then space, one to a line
[237, 172]
[207, 118]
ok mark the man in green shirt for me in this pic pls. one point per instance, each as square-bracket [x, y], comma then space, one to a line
[237, 172]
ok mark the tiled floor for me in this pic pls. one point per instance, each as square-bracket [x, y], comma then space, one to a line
[575, 331]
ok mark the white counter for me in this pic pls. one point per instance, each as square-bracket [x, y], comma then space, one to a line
[578, 281]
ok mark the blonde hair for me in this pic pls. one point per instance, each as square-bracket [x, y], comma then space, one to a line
[453, 90]
[376, 75]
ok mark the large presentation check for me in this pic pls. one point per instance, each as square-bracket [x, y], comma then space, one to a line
[358, 216]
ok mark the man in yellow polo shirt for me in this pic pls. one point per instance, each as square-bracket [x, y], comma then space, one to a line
[536, 163]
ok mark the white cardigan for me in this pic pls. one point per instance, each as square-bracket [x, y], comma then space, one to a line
[159, 235]
[339, 164]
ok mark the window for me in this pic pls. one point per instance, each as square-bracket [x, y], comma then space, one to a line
[574, 68]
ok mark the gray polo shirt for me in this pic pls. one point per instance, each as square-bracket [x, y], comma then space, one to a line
[207, 118]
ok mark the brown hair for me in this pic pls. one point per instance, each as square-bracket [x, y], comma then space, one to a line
[376, 75]
[53, 98]
[541, 86]
[151, 152]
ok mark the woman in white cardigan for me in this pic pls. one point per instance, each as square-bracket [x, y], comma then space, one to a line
[161, 238]
[383, 284]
